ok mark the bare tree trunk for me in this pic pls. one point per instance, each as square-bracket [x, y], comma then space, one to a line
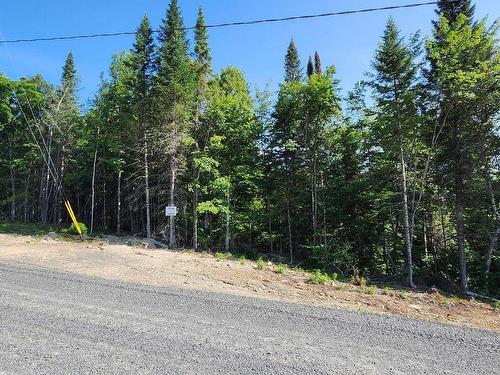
[12, 186]
[195, 215]
[146, 183]
[118, 203]
[26, 189]
[313, 203]
[270, 234]
[496, 235]
[59, 189]
[93, 188]
[45, 193]
[173, 175]
[227, 222]
[290, 244]
[406, 224]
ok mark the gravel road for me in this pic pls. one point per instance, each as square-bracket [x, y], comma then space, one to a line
[58, 323]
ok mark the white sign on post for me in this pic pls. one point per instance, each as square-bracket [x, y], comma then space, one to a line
[170, 211]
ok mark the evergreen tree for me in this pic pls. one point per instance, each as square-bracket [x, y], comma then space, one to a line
[293, 71]
[317, 63]
[463, 58]
[396, 126]
[200, 131]
[174, 90]
[201, 48]
[310, 67]
[451, 9]
[69, 78]
[141, 59]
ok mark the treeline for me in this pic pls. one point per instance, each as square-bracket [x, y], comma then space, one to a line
[399, 178]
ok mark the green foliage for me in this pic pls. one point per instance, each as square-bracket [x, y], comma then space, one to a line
[223, 256]
[281, 269]
[73, 231]
[242, 259]
[293, 70]
[359, 280]
[404, 295]
[318, 278]
[371, 290]
[30, 229]
[260, 264]
[295, 177]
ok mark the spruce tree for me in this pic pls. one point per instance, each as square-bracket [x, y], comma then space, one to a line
[200, 131]
[396, 126]
[69, 78]
[451, 9]
[201, 48]
[310, 67]
[463, 61]
[317, 63]
[174, 91]
[293, 71]
[142, 65]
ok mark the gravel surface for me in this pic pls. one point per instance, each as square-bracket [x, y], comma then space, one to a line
[53, 322]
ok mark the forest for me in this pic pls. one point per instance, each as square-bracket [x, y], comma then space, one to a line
[399, 178]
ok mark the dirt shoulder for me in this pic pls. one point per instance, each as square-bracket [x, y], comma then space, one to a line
[202, 271]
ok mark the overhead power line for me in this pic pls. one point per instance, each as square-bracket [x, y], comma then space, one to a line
[227, 24]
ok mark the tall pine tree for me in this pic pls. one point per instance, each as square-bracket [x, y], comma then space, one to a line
[142, 65]
[310, 67]
[293, 71]
[317, 63]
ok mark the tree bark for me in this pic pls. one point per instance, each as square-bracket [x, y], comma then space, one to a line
[290, 244]
[146, 187]
[226, 246]
[118, 203]
[93, 186]
[12, 186]
[173, 175]
[195, 216]
[406, 224]
[496, 235]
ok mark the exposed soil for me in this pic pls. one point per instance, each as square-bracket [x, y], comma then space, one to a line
[203, 271]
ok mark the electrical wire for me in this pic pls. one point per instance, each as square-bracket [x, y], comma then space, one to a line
[229, 24]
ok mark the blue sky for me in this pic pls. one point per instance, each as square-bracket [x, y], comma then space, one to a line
[345, 41]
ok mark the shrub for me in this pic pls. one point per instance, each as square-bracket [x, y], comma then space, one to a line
[496, 305]
[385, 292]
[371, 290]
[242, 259]
[72, 229]
[334, 276]
[318, 278]
[403, 295]
[222, 256]
[281, 268]
[359, 280]
[260, 264]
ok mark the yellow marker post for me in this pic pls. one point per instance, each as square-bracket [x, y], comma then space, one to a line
[73, 218]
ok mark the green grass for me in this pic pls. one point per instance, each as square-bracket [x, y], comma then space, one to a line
[242, 259]
[318, 278]
[222, 256]
[281, 269]
[27, 229]
[496, 305]
[371, 290]
[403, 295]
[260, 264]
[385, 291]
